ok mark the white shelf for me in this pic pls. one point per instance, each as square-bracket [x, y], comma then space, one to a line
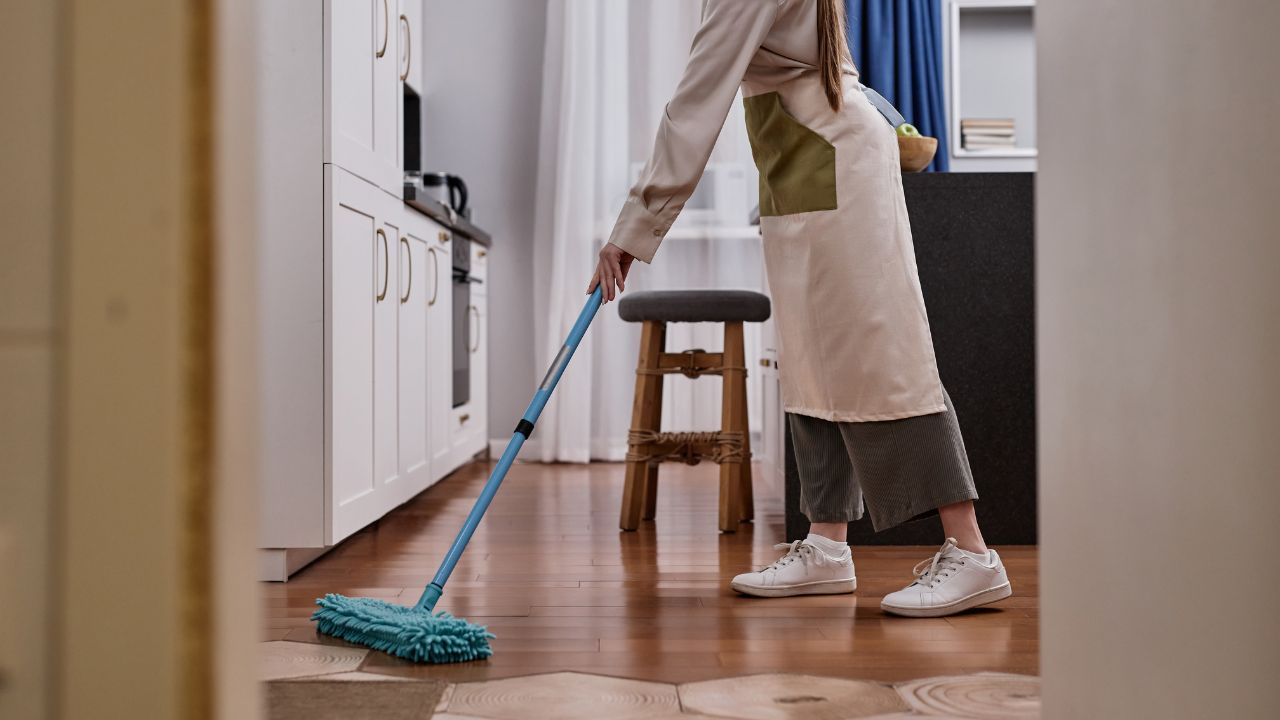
[1016, 152]
[990, 53]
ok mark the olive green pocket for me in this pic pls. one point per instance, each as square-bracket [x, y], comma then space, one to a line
[797, 165]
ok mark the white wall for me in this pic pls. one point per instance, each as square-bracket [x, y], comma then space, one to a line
[1159, 358]
[482, 86]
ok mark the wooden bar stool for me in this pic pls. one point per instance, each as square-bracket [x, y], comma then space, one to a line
[730, 446]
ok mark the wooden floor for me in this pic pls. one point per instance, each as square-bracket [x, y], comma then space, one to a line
[563, 589]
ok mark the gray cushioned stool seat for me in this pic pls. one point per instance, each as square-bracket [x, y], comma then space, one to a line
[694, 306]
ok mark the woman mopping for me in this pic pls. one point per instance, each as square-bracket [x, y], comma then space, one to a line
[869, 417]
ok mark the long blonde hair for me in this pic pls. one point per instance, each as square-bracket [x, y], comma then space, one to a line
[833, 49]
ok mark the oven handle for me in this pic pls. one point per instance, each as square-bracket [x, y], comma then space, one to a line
[474, 311]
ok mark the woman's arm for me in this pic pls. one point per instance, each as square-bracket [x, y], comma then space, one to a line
[731, 33]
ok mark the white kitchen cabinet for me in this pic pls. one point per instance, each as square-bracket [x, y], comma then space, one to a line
[470, 427]
[480, 267]
[362, 89]
[355, 290]
[480, 345]
[415, 292]
[361, 235]
[386, 356]
[425, 370]
[479, 375]
[440, 344]
[411, 46]
[770, 452]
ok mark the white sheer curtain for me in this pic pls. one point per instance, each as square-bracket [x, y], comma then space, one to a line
[609, 69]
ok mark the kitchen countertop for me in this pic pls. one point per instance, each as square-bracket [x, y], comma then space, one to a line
[443, 214]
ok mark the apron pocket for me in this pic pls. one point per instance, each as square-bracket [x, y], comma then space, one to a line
[797, 165]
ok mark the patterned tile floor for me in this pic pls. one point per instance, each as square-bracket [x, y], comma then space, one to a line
[776, 696]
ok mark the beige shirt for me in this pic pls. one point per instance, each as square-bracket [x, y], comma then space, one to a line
[853, 333]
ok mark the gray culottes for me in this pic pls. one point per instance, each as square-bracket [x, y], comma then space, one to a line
[898, 468]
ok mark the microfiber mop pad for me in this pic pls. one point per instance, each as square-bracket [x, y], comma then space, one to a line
[413, 634]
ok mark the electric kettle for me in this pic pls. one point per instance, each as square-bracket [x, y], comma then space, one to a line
[448, 189]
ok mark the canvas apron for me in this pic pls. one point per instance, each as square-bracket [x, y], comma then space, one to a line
[853, 335]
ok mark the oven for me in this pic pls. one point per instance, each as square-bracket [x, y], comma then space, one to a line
[462, 282]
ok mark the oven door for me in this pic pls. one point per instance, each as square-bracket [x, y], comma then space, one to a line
[461, 340]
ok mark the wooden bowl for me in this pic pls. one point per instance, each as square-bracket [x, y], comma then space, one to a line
[916, 152]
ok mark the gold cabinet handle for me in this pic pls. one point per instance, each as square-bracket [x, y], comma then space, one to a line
[476, 312]
[408, 48]
[386, 264]
[435, 276]
[386, 28]
[480, 253]
[463, 418]
[409, 290]
[444, 236]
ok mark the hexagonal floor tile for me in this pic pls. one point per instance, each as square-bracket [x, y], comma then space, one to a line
[689, 716]
[908, 716]
[790, 697]
[982, 695]
[563, 696]
[319, 698]
[354, 677]
[281, 659]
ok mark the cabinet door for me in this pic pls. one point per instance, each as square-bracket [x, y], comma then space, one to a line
[411, 48]
[362, 90]
[386, 350]
[440, 351]
[354, 237]
[415, 292]
[469, 427]
[480, 370]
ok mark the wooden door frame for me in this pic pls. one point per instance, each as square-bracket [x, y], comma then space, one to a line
[156, 608]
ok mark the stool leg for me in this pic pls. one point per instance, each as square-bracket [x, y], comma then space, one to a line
[655, 407]
[643, 417]
[748, 492]
[651, 491]
[733, 400]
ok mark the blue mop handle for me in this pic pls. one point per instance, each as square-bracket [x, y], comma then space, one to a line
[433, 591]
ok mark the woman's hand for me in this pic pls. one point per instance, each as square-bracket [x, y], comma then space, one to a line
[611, 270]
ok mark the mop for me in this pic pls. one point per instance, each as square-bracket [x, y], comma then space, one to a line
[418, 633]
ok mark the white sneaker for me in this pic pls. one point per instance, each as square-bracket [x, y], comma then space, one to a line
[952, 581]
[805, 570]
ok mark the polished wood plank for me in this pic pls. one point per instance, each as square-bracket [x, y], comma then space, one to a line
[563, 589]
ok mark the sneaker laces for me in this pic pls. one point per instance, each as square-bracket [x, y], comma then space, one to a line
[940, 566]
[794, 552]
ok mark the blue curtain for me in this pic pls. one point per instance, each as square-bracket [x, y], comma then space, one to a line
[897, 46]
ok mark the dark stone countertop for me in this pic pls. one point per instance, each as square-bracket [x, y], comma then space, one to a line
[438, 211]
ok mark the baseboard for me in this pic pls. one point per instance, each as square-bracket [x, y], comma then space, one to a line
[277, 564]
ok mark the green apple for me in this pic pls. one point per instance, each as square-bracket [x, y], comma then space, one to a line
[908, 130]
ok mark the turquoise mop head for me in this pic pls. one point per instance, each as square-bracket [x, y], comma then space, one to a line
[412, 633]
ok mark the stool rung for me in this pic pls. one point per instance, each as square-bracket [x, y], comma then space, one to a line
[690, 363]
[687, 447]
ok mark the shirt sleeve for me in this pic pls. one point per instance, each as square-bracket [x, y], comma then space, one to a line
[731, 33]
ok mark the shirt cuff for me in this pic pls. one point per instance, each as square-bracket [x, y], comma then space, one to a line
[638, 231]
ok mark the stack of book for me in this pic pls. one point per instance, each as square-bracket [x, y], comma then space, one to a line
[986, 134]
